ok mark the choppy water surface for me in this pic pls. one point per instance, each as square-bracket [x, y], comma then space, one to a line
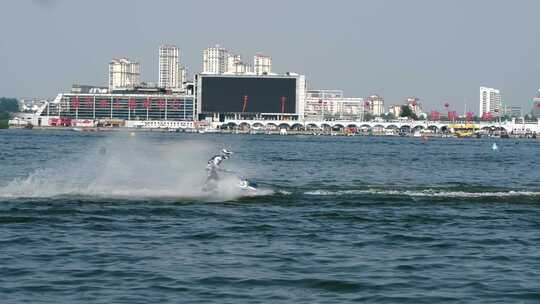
[113, 218]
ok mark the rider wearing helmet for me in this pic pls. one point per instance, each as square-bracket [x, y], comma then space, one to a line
[213, 167]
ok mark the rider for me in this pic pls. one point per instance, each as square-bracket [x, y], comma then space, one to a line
[213, 166]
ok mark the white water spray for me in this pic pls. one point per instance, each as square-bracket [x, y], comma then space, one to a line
[129, 167]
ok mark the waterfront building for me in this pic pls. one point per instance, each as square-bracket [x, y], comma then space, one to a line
[332, 105]
[262, 64]
[415, 105]
[170, 71]
[123, 74]
[490, 101]
[214, 60]
[374, 104]
[395, 110]
[139, 104]
[513, 111]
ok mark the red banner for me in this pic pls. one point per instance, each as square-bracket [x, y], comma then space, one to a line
[452, 115]
[161, 104]
[132, 103]
[148, 103]
[75, 103]
[88, 102]
[104, 103]
[434, 115]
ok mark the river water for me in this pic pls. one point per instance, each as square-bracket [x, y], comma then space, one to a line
[116, 217]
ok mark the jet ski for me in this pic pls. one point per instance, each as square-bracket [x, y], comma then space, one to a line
[244, 185]
[247, 185]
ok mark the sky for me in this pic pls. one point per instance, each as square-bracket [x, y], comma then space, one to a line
[440, 51]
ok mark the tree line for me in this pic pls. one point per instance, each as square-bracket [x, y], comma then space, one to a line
[7, 106]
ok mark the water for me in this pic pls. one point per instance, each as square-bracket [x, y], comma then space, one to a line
[113, 218]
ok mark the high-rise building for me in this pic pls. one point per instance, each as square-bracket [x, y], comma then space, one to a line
[214, 60]
[123, 73]
[262, 64]
[490, 101]
[235, 65]
[375, 104]
[170, 74]
[232, 62]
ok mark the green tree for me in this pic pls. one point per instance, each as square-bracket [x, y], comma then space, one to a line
[406, 111]
[368, 116]
[9, 105]
[388, 116]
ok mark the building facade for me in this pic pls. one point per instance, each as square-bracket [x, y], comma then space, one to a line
[332, 105]
[214, 60]
[124, 74]
[395, 110]
[513, 111]
[235, 65]
[131, 106]
[374, 104]
[490, 101]
[262, 64]
[170, 71]
[415, 105]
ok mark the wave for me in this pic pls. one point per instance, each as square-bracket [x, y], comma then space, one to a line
[429, 193]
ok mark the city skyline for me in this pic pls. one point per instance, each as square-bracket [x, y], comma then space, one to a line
[445, 64]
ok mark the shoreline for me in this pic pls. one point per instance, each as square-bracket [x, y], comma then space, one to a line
[265, 132]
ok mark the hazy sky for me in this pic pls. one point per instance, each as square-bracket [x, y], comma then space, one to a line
[436, 50]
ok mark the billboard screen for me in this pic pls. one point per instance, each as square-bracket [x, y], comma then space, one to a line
[248, 94]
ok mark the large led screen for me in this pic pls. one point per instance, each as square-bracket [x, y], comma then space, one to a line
[248, 95]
